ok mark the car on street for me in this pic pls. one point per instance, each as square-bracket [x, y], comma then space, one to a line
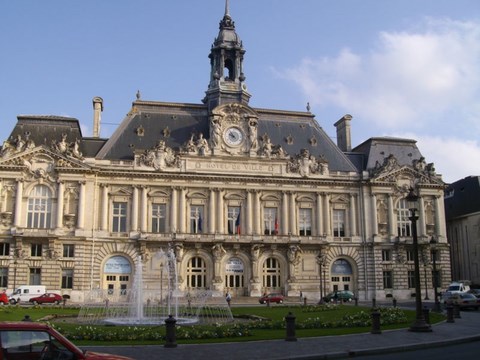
[475, 292]
[271, 298]
[3, 298]
[33, 340]
[47, 298]
[342, 295]
[464, 300]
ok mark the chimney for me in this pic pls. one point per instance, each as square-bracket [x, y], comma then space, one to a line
[97, 115]
[344, 140]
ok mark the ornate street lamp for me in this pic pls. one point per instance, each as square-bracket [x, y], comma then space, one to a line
[15, 275]
[321, 263]
[433, 243]
[419, 325]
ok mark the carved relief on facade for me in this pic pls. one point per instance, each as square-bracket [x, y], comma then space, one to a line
[390, 164]
[40, 167]
[7, 200]
[306, 164]
[160, 157]
[65, 148]
[196, 145]
[382, 215]
[269, 150]
[17, 145]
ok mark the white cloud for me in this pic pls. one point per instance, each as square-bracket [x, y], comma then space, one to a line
[408, 76]
[425, 79]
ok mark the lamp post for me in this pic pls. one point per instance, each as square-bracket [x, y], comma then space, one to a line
[14, 275]
[419, 325]
[433, 243]
[321, 263]
[425, 264]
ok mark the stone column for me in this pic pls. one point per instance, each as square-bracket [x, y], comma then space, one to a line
[211, 212]
[144, 210]
[104, 216]
[60, 201]
[81, 206]
[391, 216]
[353, 218]
[134, 221]
[318, 216]
[293, 215]
[220, 213]
[249, 213]
[18, 203]
[326, 215]
[284, 216]
[258, 214]
[374, 215]
[440, 226]
[183, 218]
[422, 230]
[173, 211]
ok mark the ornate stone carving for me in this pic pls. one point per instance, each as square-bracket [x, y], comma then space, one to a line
[390, 163]
[16, 146]
[69, 149]
[306, 164]
[159, 157]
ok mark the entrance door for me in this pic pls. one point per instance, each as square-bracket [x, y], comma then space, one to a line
[234, 277]
[117, 277]
[342, 275]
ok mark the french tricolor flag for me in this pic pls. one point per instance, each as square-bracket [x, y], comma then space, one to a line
[237, 224]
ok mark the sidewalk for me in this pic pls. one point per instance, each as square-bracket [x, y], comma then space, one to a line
[328, 347]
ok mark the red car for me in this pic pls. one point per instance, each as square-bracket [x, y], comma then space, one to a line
[47, 298]
[31, 340]
[3, 298]
[271, 298]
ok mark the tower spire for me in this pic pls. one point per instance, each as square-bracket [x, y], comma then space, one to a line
[227, 8]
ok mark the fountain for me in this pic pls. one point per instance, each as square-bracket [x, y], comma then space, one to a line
[140, 306]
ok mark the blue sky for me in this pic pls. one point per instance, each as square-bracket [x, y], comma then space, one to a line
[405, 68]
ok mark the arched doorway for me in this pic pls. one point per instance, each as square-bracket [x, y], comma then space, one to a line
[341, 275]
[234, 276]
[117, 275]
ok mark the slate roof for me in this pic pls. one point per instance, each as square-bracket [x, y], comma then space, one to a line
[292, 130]
[376, 149]
[462, 197]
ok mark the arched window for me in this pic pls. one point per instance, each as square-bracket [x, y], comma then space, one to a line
[271, 274]
[196, 273]
[39, 208]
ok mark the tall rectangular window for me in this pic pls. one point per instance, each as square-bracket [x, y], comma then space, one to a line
[35, 276]
[404, 225]
[36, 250]
[196, 219]
[4, 249]
[270, 221]
[234, 220]
[386, 255]
[67, 279]
[387, 280]
[410, 256]
[305, 222]
[39, 208]
[339, 223]
[3, 277]
[411, 279]
[68, 250]
[119, 220]
[159, 217]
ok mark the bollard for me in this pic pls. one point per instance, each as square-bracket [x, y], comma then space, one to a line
[356, 301]
[456, 311]
[170, 337]
[450, 314]
[374, 303]
[290, 319]
[394, 302]
[426, 314]
[305, 301]
[376, 322]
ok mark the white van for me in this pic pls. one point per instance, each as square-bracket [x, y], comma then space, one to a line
[25, 292]
[458, 287]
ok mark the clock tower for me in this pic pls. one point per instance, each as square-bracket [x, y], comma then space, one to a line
[227, 81]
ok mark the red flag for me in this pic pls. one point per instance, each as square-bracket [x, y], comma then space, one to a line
[237, 225]
[276, 226]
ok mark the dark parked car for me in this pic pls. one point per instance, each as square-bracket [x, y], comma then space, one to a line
[32, 340]
[475, 292]
[271, 298]
[47, 298]
[342, 295]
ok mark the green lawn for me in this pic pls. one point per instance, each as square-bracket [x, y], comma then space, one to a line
[310, 321]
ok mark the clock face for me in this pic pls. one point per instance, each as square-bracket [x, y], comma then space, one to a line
[233, 136]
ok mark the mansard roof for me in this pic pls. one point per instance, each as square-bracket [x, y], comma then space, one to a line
[148, 122]
[376, 149]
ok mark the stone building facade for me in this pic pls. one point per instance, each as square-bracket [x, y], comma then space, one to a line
[251, 200]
